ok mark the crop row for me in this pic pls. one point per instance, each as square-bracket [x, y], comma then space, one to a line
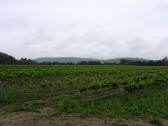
[25, 82]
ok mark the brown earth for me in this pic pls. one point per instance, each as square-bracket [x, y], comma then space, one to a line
[45, 118]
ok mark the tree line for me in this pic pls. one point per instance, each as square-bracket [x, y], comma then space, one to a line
[162, 62]
[7, 59]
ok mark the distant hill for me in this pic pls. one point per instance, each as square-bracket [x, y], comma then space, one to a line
[77, 59]
[63, 59]
[117, 60]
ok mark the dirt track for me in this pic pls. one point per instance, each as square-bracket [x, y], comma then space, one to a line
[44, 118]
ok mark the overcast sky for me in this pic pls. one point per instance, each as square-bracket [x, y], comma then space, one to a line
[84, 28]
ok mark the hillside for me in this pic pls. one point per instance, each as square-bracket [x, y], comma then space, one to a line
[7, 59]
[63, 59]
[77, 59]
[117, 60]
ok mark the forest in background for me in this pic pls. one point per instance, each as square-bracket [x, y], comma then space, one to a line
[8, 59]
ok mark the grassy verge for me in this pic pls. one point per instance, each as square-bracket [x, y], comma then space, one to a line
[122, 105]
[151, 104]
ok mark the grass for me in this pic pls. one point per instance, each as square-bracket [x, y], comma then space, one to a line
[123, 105]
[126, 104]
[23, 107]
[33, 107]
[119, 124]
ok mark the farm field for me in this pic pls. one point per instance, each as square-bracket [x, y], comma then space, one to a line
[99, 91]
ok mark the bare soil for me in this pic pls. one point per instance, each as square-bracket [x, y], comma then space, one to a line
[46, 118]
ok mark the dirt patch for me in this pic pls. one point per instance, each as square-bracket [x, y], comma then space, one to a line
[44, 118]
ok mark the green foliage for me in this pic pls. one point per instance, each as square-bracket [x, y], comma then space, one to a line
[27, 82]
[23, 107]
[125, 104]
[84, 83]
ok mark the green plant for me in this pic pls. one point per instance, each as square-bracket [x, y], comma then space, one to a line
[23, 107]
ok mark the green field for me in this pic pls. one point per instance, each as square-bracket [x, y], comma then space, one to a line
[103, 90]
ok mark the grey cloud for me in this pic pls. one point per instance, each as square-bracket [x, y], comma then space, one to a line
[90, 28]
